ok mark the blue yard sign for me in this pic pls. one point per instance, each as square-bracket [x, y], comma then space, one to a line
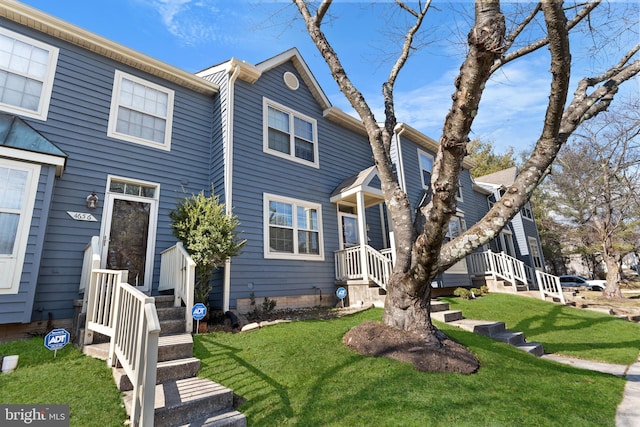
[199, 311]
[56, 339]
[341, 293]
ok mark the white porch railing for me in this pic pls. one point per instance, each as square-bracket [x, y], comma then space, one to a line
[499, 265]
[135, 344]
[129, 318]
[349, 265]
[549, 285]
[178, 272]
[90, 262]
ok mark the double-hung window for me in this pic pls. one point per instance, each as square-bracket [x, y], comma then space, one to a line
[141, 111]
[289, 134]
[527, 212]
[426, 167]
[293, 229]
[27, 70]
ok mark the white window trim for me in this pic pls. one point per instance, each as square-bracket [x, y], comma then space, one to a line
[533, 243]
[459, 192]
[26, 215]
[115, 104]
[295, 202]
[527, 208]
[426, 185]
[47, 83]
[292, 113]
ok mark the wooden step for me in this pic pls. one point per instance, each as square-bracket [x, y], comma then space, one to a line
[230, 418]
[437, 306]
[169, 347]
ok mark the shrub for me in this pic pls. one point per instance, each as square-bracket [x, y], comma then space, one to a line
[208, 234]
[462, 293]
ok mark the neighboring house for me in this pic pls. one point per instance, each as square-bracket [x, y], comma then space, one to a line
[99, 142]
[520, 238]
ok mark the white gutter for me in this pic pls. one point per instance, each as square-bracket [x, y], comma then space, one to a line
[401, 178]
[228, 181]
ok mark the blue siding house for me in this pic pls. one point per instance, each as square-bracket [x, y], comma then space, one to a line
[99, 142]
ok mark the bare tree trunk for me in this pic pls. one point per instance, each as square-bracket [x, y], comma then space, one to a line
[613, 272]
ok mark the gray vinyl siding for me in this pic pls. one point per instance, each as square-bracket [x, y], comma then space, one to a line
[77, 124]
[341, 154]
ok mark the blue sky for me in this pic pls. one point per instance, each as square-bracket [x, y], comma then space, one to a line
[195, 34]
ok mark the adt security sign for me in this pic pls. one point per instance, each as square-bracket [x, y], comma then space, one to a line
[56, 339]
[341, 293]
[199, 311]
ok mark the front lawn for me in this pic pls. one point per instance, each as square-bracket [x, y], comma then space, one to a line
[300, 374]
[563, 330]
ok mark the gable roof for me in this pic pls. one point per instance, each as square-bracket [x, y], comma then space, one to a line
[505, 177]
[40, 21]
[366, 181]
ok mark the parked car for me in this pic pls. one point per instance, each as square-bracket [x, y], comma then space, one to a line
[573, 281]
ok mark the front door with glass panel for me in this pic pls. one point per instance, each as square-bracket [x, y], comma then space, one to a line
[349, 230]
[129, 230]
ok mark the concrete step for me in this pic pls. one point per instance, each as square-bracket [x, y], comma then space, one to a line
[168, 371]
[437, 306]
[534, 348]
[164, 301]
[170, 313]
[170, 347]
[481, 327]
[184, 401]
[172, 327]
[225, 419]
[447, 315]
[509, 337]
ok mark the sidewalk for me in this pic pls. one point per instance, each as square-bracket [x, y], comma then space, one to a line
[628, 411]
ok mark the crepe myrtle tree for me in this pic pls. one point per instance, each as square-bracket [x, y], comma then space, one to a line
[422, 253]
[209, 236]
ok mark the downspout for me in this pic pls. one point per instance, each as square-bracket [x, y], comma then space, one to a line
[228, 180]
[401, 179]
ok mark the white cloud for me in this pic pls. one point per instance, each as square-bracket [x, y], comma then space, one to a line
[191, 22]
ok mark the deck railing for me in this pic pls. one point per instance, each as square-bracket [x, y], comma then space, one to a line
[178, 272]
[135, 345]
[90, 262]
[498, 264]
[549, 285]
[349, 266]
[129, 318]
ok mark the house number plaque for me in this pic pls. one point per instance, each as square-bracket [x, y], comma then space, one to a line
[82, 216]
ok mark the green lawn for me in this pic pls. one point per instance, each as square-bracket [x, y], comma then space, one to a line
[563, 330]
[71, 378]
[300, 374]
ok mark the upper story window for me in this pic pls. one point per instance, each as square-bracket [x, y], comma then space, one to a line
[141, 111]
[289, 134]
[27, 70]
[426, 167]
[527, 212]
[292, 229]
[459, 192]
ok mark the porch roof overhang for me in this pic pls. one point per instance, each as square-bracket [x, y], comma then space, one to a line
[21, 141]
[366, 182]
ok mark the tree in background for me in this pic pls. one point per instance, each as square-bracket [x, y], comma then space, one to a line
[486, 160]
[421, 251]
[596, 188]
[209, 236]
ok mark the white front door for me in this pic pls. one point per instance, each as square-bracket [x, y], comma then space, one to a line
[129, 230]
[18, 187]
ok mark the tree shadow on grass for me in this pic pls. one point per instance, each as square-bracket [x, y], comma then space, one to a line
[257, 392]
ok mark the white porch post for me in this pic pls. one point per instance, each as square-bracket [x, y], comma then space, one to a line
[362, 232]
